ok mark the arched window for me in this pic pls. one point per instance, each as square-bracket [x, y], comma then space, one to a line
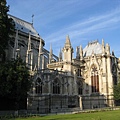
[38, 86]
[94, 79]
[79, 72]
[80, 87]
[56, 86]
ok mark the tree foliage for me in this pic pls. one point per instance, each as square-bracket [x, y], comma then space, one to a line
[6, 27]
[14, 79]
[116, 92]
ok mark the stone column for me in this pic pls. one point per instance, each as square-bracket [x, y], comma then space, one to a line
[75, 83]
[104, 77]
[49, 85]
[80, 103]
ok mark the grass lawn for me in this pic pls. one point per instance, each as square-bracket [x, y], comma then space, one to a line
[104, 115]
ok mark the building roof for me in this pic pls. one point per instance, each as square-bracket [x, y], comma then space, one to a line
[24, 26]
[92, 47]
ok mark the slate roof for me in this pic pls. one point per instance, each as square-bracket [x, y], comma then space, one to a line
[24, 26]
[92, 47]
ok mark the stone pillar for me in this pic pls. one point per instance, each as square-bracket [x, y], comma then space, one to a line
[75, 83]
[43, 61]
[80, 103]
[104, 77]
[49, 85]
[109, 78]
[31, 60]
[110, 82]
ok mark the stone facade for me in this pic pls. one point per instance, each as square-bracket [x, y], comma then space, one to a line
[63, 82]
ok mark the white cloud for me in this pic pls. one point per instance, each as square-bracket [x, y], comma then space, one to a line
[48, 12]
[95, 23]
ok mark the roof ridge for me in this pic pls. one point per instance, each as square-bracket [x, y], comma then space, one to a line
[93, 42]
[20, 19]
[24, 26]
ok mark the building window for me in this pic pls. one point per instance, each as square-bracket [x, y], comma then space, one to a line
[80, 87]
[56, 86]
[79, 72]
[94, 80]
[38, 86]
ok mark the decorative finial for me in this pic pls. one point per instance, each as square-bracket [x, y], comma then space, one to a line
[103, 42]
[32, 18]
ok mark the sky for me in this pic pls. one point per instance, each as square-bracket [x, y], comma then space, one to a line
[83, 20]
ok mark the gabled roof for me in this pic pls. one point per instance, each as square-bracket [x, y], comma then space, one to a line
[24, 26]
[92, 47]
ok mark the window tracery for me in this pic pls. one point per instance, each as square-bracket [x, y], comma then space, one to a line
[56, 86]
[80, 87]
[94, 79]
[38, 86]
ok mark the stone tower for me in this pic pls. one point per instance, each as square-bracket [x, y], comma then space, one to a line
[67, 55]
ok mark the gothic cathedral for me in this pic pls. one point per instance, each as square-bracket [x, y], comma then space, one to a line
[63, 82]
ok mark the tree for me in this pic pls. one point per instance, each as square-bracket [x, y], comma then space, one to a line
[14, 81]
[6, 27]
[116, 92]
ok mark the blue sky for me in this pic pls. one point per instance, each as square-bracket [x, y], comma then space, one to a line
[83, 20]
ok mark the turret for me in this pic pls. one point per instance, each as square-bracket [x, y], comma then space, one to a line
[67, 50]
[107, 49]
[67, 43]
[103, 46]
[81, 53]
[60, 56]
[50, 54]
[77, 52]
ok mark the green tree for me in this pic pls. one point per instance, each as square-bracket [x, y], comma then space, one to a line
[116, 93]
[14, 80]
[6, 27]
[116, 89]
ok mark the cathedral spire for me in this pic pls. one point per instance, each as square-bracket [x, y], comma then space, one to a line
[103, 46]
[81, 52]
[60, 55]
[103, 42]
[107, 49]
[67, 50]
[50, 54]
[67, 43]
[51, 51]
[77, 52]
